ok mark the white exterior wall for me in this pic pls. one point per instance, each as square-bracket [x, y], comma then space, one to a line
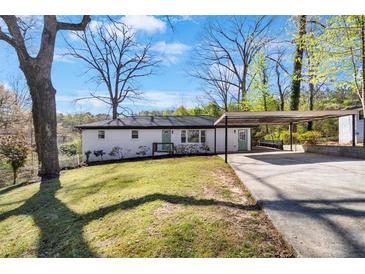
[123, 138]
[232, 139]
[345, 130]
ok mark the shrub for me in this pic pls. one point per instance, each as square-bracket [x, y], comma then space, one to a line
[71, 149]
[143, 150]
[87, 154]
[310, 137]
[192, 149]
[119, 152]
[15, 151]
[99, 153]
[205, 148]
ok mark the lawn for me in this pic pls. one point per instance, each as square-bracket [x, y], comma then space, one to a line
[183, 207]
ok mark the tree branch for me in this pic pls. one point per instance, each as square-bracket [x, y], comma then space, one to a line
[74, 26]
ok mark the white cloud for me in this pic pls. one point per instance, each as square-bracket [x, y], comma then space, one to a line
[167, 99]
[73, 99]
[170, 51]
[147, 23]
[180, 18]
[60, 55]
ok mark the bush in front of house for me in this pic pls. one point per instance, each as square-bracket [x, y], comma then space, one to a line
[87, 155]
[191, 149]
[15, 151]
[99, 153]
[119, 152]
[204, 148]
[143, 150]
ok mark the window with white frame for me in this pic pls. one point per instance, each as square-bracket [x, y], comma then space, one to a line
[134, 134]
[183, 136]
[193, 136]
[101, 134]
[202, 136]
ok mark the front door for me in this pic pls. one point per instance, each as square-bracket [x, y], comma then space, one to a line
[242, 140]
[166, 138]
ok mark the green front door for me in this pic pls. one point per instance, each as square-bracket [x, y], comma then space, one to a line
[242, 140]
[166, 138]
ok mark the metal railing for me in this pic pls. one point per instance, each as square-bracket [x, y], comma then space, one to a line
[163, 148]
[272, 143]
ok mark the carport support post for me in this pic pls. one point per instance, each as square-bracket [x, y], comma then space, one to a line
[353, 130]
[291, 135]
[226, 137]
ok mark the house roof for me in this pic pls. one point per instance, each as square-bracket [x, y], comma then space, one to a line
[278, 117]
[153, 122]
[235, 119]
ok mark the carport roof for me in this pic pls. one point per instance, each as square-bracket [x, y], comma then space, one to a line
[278, 117]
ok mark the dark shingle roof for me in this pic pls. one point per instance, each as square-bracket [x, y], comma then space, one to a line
[154, 122]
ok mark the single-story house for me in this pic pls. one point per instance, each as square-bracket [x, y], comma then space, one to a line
[141, 136]
[345, 125]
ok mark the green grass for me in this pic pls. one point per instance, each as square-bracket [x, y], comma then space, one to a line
[184, 207]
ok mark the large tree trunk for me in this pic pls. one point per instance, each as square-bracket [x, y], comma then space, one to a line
[298, 59]
[37, 71]
[114, 110]
[45, 125]
[281, 92]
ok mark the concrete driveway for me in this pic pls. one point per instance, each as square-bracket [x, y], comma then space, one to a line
[316, 201]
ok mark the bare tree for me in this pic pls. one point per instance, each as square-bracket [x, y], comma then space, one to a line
[37, 72]
[115, 60]
[234, 46]
[281, 76]
[217, 85]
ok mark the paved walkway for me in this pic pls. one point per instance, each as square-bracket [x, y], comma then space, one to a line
[316, 201]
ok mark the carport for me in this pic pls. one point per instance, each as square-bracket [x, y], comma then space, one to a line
[256, 118]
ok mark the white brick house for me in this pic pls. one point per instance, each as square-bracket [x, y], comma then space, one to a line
[136, 135]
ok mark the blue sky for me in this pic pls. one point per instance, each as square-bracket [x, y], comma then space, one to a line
[169, 87]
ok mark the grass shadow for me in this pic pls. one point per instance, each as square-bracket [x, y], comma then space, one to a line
[61, 229]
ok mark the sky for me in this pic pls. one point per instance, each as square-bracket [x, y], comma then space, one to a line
[169, 87]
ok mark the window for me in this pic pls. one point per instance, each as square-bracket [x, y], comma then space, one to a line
[202, 136]
[101, 134]
[183, 136]
[193, 136]
[361, 115]
[242, 135]
[134, 134]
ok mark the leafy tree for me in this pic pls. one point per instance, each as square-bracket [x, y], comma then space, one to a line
[344, 43]
[15, 151]
[181, 110]
[264, 100]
